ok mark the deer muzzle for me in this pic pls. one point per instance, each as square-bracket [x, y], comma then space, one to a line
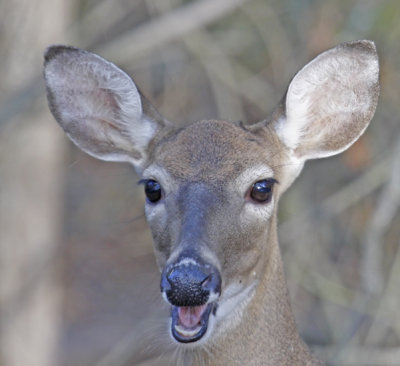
[192, 289]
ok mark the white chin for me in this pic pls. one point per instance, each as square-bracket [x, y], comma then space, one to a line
[232, 305]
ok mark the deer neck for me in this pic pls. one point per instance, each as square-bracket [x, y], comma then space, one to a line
[267, 333]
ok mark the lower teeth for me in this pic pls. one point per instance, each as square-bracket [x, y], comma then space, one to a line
[187, 332]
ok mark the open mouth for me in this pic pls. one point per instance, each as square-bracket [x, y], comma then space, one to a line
[189, 323]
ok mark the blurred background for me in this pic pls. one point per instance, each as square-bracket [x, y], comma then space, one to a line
[78, 282]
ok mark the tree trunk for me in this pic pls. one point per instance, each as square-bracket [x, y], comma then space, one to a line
[31, 153]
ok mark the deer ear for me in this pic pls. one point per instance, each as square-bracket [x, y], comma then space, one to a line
[330, 101]
[99, 106]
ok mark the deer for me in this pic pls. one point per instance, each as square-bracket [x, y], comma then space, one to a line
[212, 189]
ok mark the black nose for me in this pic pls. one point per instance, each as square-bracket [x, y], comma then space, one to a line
[190, 283]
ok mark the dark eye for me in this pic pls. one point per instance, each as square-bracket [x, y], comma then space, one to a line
[261, 191]
[152, 189]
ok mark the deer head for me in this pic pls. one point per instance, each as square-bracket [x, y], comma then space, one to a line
[213, 186]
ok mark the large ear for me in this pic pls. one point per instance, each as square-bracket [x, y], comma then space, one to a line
[98, 106]
[330, 101]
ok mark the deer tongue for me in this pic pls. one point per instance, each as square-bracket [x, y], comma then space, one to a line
[189, 323]
[190, 316]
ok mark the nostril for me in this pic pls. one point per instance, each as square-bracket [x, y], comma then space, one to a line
[213, 282]
[205, 282]
[165, 284]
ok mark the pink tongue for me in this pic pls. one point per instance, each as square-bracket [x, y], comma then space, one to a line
[190, 316]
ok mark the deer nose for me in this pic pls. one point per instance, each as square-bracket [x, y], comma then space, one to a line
[190, 284]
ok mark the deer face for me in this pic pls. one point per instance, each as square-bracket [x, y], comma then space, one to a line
[211, 191]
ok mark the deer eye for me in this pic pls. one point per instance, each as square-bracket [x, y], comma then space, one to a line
[153, 191]
[261, 191]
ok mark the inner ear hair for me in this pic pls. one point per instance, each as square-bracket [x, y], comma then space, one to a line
[330, 101]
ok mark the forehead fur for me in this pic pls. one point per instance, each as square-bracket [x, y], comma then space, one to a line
[216, 150]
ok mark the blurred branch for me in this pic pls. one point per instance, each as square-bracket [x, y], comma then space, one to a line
[275, 38]
[298, 227]
[102, 16]
[329, 289]
[218, 66]
[301, 227]
[169, 27]
[385, 316]
[388, 206]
